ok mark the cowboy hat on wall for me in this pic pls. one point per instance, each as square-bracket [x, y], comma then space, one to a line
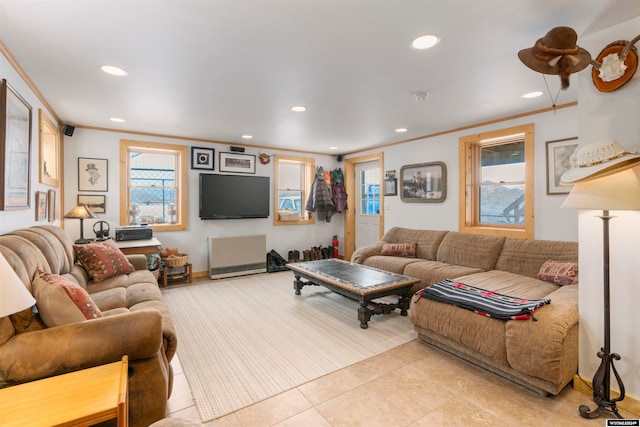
[557, 53]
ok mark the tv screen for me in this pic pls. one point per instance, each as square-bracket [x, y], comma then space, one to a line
[233, 196]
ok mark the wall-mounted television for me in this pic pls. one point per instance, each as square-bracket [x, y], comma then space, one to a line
[234, 196]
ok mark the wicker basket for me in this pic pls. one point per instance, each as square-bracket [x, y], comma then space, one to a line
[289, 215]
[177, 261]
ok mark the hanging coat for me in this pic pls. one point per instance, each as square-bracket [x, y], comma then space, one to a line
[319, 200]
[338, 192]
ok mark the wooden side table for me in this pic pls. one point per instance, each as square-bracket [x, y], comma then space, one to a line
[79, 398]
[144, 246]
[185, 274]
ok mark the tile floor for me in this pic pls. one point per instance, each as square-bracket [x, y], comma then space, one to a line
[412, 385]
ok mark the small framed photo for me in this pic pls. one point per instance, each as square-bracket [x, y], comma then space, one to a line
[51, 205]
[41, 205]
[95, 202]
[93, 174]
[202, 158]
[423, 183]
[561, 156]
[391, 186]
[235, 162]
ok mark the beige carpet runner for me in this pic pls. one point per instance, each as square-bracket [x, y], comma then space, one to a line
[245, 339]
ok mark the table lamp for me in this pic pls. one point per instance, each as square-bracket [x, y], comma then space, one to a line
[14, 296]
[80, 212]
[617, 191]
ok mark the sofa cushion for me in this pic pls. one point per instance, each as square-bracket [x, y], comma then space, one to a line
[399, 249]
[471, 250]
[60, 301]
[427, 241]
[525, 257]
[560, 273]
[103, 260]
[430, 272]
[510, 284]
[391, 264]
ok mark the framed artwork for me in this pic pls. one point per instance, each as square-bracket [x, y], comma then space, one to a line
[93, 174]
[561, 156]
[391, 186]
[41, 205]
[51, 205]
[423, 183]
[49, 151]
[95, 202]
[235, 162]
[202, 158]
[15, 149]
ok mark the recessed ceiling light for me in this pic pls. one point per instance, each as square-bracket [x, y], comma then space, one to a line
[531, 95]
[114, 71]
[247, 136]
[401, 130]
[117, 120]
[298, 108]
[425, 42]
[333, 148]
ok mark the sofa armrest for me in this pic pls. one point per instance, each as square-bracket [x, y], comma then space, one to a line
[34, 355]
[139, 261]
[365, 252]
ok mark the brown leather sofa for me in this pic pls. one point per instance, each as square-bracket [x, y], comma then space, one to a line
[541, 355]
[135, 322]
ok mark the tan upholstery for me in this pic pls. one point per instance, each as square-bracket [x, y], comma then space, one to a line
[136, 322]
[541, 355]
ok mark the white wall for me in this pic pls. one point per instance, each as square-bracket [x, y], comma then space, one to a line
[551, 222]
[106, 145]
[606, 116]
[13, 219]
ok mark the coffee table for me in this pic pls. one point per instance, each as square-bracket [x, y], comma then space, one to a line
[358, 282]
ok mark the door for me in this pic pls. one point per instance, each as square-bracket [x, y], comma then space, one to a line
[367, 206]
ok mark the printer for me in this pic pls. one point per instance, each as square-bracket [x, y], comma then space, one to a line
[134, 232]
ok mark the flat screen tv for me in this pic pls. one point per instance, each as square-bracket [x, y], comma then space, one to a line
[233, 196]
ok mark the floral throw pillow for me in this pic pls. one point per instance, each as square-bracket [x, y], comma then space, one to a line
[560, 273]
[103, 260]
[407, 250]
[60, 301]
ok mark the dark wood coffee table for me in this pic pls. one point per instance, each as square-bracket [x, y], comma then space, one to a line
[358, 282]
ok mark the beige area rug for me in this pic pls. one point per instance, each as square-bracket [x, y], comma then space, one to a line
[244, 339]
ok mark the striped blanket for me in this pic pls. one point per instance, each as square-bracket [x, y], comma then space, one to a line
[483, 301]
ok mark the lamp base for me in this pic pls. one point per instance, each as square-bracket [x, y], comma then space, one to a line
[601, 388]
[82, 241]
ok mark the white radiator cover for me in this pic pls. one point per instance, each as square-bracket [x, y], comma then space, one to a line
[237, 256]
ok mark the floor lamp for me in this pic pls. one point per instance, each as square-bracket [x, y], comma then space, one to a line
[617, 191]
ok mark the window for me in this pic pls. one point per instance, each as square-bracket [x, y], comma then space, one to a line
[496, 194]
[293, 179]
[370, 192]
[154, 179]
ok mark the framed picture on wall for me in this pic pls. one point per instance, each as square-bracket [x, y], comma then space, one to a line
[235, 162]
[51, 205]
[93, 174]
[41, 205]
[95, 202]
[15, 146]
[391, 186]
[561, 155]
[423, 183]
[202, 158]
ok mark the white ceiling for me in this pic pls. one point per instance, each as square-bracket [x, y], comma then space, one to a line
[218, 69]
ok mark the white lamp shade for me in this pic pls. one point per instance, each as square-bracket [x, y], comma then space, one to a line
[14, 296]
[619, 191]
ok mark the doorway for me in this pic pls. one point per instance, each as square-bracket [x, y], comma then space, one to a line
[364, 221]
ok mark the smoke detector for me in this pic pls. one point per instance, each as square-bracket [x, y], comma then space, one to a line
[420, 96]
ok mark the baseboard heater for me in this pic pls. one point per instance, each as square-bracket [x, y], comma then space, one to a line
[237, 256]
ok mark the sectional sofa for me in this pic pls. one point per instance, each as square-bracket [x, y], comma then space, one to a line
[540, 354]
[124, 314]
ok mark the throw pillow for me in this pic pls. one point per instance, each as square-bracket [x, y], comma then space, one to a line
[399, 249]
[60, 301]
[560, 273]
[103, 260]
